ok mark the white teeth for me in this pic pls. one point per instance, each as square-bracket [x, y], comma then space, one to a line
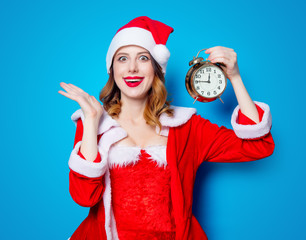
[132, 80]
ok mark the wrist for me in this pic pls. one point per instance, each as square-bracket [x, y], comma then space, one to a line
[91, 123]
[236, 79]
[94, 118]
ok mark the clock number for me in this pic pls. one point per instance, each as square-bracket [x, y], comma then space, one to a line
[219, 75]
[219, 87]
[208, 93]
[196, 81]
[202, 71]
[220, 81]
[198, 87]
[215, 93]
[198, 76]
[208, 69]
[215, 71]
[202, 92]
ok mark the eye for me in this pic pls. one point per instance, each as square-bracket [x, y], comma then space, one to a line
[144, 58]
[122, 59]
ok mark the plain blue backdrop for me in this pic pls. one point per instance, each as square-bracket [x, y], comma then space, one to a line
[45, 42]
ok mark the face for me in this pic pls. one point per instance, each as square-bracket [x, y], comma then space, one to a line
[133, 72]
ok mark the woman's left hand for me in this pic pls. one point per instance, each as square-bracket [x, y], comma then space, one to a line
[227, 57]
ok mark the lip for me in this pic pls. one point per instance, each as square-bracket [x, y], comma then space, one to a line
[133, 84]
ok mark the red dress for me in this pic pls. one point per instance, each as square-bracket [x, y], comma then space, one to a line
[141, 193]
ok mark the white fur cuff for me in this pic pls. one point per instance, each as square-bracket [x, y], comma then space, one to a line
[253, 131]
[84, 167]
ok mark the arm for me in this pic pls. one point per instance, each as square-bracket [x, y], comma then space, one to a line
[228, 58]
[85, 185]
[79, 137]
[247, 142]
[245, 102]
[86, 175]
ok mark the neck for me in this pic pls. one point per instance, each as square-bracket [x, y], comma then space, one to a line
[132, 109]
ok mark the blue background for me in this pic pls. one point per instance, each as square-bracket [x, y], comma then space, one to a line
[45, 42]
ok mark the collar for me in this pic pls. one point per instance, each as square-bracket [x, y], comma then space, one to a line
[180, 116]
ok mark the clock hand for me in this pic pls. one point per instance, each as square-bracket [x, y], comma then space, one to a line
[209, 78]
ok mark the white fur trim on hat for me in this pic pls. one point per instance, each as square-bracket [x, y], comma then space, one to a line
[161, 54]
[253, 131]
[139, 37]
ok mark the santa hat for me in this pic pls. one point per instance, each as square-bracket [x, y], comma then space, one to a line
[144, 32]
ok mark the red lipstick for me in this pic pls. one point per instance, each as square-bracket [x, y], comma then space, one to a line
[133, 81]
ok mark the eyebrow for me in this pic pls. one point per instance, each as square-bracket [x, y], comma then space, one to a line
[123, 53]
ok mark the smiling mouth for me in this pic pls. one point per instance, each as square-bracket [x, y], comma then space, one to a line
[133, 81]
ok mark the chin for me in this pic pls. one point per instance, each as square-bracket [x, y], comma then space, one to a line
[136, 96]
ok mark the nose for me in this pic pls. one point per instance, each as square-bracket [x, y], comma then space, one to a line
[133, 66]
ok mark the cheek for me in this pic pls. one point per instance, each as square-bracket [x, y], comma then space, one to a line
[150, 71]
[118, 71]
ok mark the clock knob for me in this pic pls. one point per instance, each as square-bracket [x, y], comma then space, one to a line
[195, 61]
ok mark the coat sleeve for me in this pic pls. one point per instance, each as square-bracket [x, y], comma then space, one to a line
[247, 142]
[86, 179]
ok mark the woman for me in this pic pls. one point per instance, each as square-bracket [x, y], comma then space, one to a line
[135, 159]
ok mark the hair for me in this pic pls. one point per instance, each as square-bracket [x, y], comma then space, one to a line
[157, 102]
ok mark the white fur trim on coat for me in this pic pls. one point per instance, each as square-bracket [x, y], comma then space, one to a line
[121, 156]
[180, 116]
[253, 131]
[86, 168]
[158, 154]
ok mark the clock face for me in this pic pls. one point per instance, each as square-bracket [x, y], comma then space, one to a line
[209, 81]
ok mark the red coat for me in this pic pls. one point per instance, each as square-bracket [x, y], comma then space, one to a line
[191, 141]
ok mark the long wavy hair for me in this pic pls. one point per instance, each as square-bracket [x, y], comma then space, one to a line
[157, 102]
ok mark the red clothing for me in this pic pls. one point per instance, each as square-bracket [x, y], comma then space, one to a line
[141, 199]
[189, 143]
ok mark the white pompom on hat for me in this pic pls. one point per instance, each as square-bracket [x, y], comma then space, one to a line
[144, 32]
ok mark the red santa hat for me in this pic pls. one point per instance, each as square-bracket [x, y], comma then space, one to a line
[144, 32]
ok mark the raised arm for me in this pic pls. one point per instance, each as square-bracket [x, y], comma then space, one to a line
[86, 177]
[92, 111]
[228, 58]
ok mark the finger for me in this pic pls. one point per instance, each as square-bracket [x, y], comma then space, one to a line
[75, 87]
[215, 54]
[210, 50]
[222, 52]
[66, 94]
[70, 89]
[219, 48]
[70, 92]
[230, 56]
[65, 86]
[222, 60]
[215, 50]
[62, 84]
[219, 54]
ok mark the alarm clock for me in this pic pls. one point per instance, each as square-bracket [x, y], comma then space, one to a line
[205, 81]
